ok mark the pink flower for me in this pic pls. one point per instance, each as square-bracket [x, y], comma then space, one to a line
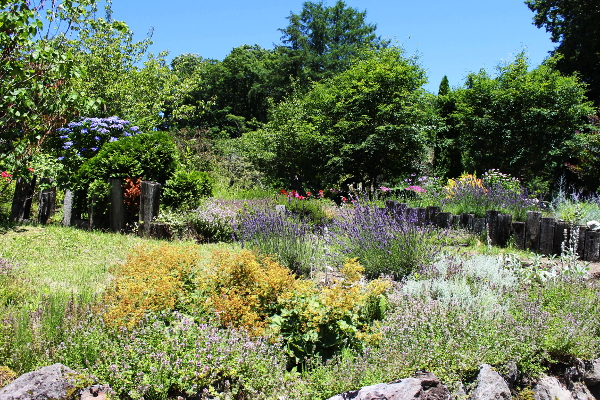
[6, 174]
[416, 189]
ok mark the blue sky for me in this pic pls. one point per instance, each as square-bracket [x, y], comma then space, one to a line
[451, 38]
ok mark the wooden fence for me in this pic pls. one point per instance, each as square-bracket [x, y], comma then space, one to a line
[543, 235]
[539, 234]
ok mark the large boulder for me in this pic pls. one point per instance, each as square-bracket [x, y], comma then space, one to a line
[490, 385]
[52, 382]
[424, 386]
[550, 388]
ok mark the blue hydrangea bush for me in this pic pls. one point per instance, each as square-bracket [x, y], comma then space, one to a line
[82, 139]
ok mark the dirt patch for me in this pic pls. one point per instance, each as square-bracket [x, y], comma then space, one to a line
[595, 270]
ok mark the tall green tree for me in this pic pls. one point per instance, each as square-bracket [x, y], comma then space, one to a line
[521, 121]
[371, 122]
[574, 25]
[111, 59]
[320, 41]
[37, 71]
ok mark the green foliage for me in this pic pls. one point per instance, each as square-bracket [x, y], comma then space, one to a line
[151, 156]
[371, 120]
[37, 73]
[307, 210]
[586, 148]
[184, 189]
[320, 41]
[573, 25]
[106, 51]
[500, 122]
[322, 321]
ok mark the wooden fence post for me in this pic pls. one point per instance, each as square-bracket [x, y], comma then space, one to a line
[491, 220]
[518, 230]
[116, 211]
[149, 202]
[532, 230]
[504, 225]
[432, 212]
[547, 225]
[69, 211]
[47, 201]
[444, 220]
[21, 205]
[592, 246]
[562, 234]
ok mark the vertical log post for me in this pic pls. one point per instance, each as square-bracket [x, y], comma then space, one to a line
[504, 224]
[592, 246]
[47, 201]
[444, 220]
[478, 225]
[491, 220]
[149, 202]
[432, 212]
[581, 241]
[70, 214]
[532, 230]
[561, 238]
[518, 231]
[547, 225]
[117, 212]
[21, 205]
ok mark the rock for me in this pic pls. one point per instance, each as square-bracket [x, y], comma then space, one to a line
[490, 386]
[96, 392]
[550, 388]
[593, 225]
[50, 382]
[591, 376]
[424, 386]
[511, 374]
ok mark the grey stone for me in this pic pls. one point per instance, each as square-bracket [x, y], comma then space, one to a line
[549, 388]
[424, 386]
[50, 382]
[593, 225]
[490, 386]
[511, 374]
[591, 376]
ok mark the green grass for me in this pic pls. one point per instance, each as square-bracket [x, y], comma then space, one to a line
[69, 260]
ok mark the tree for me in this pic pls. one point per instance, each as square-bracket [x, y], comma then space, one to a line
[110, 57]
[37, 70]
[574, 26]
[370, 122]
[520, 121]
[320, 41]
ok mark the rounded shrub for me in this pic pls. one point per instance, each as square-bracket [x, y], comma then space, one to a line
[149, 156]
[185, 189]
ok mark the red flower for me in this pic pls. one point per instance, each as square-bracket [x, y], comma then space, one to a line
[283, 192]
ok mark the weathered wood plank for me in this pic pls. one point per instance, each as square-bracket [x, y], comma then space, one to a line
[21, 204]
[117, 212]
[532, 230]
[149, 202]
[547, 225]
[518, 232]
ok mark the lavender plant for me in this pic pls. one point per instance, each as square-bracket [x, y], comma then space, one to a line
[181, 357]
[465, 197]
[385, 243]
[281, 233]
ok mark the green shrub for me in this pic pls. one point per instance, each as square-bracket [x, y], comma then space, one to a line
[150, 156]
[308, 210]
[185, 189]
